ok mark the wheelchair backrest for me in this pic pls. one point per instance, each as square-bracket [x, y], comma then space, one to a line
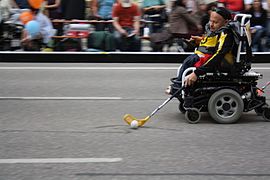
[240, 28]
[243, 31]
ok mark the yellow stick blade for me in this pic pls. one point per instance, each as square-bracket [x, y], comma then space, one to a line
[141, 122]
[129, 118]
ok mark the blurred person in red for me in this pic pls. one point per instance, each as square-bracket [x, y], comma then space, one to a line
[235, 6]
[126, 21]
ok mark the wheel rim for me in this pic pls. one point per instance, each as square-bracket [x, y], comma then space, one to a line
[226, 106]
[193, 115]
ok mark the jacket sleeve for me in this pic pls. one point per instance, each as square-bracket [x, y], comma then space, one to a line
[225, 44]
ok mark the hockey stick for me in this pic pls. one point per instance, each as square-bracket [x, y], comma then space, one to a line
[128, 118]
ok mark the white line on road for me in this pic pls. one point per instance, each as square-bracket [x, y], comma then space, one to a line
[60, 160]
[60, 98]
[103, 68]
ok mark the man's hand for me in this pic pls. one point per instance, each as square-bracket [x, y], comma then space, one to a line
[123, 32]
[136, 32]
[190, 79]
[197, 39]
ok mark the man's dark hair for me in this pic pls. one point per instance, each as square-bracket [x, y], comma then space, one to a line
[226, 14]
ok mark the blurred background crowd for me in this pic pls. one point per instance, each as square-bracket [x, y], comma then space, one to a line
[119, 25]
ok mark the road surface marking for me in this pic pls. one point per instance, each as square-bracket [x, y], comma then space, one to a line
[60, 98]
[60, 160]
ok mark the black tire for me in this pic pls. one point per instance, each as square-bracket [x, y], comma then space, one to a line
[181, 107]
[259, 111]
[225, 106]
[266, 114]
[193, 115]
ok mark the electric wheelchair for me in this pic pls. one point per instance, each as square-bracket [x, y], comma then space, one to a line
[225, 96]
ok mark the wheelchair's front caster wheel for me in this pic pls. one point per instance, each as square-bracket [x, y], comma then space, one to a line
[193, 115]
[266, 114]
[182, 108]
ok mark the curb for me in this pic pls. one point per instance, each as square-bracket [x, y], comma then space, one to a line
[107, 57]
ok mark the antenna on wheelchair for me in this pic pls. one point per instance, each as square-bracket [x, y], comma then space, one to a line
[260, 91]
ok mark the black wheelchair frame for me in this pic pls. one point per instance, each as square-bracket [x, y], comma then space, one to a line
[223, 95]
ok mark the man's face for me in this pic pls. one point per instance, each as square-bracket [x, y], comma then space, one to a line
[126, 1]
[216, 21]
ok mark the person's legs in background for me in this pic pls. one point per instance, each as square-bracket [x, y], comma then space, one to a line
[1, 34]
[256, 43]
[120, 41]
[267, 48]
[134, 44]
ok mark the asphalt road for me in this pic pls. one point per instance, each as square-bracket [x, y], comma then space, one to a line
[54, 117]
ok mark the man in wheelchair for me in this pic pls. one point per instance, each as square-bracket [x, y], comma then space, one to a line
[214, 78]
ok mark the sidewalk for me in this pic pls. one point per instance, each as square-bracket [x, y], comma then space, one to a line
[146, 47]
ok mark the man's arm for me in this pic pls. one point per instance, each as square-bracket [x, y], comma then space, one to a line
[116, 24]
[225, 45]
[118, 27]
[137, 25]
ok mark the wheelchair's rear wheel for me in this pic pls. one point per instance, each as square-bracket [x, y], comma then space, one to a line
[225, 106]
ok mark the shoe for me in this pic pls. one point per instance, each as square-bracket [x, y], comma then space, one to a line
[168, 90]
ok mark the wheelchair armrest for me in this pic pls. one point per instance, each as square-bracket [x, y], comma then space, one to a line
[176, 81]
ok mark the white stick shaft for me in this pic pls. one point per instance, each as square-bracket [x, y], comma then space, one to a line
[159, 107]
[165, 102]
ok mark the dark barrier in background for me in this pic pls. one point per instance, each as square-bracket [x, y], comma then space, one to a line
[106, 57]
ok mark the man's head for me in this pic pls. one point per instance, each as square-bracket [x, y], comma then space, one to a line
[126, 3]
[219, 17]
